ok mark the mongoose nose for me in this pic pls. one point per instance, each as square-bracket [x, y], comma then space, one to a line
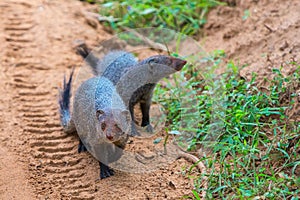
[177, 63]
[109, 136]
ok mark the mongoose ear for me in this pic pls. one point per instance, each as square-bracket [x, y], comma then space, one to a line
[99, 113]
[151, 64]
[127, 115]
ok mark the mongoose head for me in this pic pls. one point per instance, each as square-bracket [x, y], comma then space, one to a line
[113, 124]
[175, 63]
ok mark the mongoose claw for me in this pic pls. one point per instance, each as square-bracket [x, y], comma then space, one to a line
[105, 171]
[149, 128]
[134, 131]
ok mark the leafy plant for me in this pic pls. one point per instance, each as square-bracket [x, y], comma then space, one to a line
[180, 15]
[254, 145]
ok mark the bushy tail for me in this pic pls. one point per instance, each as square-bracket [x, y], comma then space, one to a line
[64, 101]
[90, 58]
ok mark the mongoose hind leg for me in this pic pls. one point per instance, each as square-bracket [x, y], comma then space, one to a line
[81, 147]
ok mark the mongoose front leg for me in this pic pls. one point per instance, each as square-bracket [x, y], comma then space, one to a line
[145, 103]
[145, 108]
[105, 171]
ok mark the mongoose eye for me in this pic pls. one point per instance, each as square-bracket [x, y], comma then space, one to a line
[153, 60]
[103, 126]
[99, 113]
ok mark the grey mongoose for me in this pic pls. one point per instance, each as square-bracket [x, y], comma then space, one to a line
[115, 64]
[100, 116]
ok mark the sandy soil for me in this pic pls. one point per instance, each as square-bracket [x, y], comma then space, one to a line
[266, 39]
[39, 161]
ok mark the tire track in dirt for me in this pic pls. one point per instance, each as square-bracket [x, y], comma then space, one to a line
[14, 183]
[38, 37]
[55, 171]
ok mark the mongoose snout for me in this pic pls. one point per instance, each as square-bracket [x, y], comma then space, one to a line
[177, 63]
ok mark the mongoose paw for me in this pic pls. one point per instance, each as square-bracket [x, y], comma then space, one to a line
[134, 131]
[106, 174]
[105, 171]
[149, 128]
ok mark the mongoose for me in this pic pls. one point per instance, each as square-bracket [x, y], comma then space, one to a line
[140, 80]
[99, 117]
[115, 64]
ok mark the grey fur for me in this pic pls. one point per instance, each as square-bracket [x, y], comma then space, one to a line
[138, 83]
[99, 94]
[104, 143]
[111, 66]
[106, 99]
[117, 63]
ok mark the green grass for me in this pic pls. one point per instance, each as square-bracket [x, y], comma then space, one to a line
[253, 140]
[254, 145]
[180, 15]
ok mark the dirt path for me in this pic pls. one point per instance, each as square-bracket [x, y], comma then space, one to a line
[37, 158]
[13, 182]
